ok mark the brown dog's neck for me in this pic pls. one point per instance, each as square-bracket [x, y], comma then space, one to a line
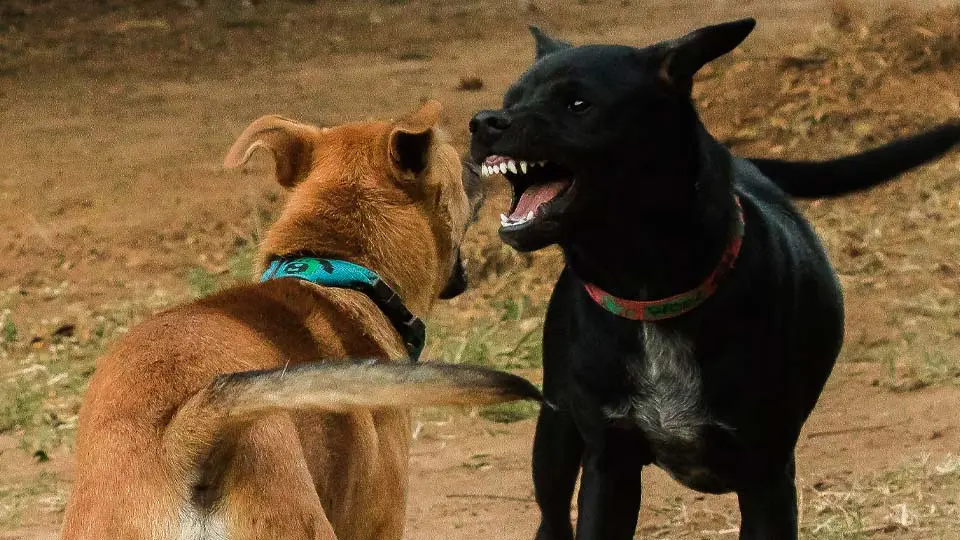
[392, 240]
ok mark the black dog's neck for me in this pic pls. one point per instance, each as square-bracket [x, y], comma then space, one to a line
[651, 257]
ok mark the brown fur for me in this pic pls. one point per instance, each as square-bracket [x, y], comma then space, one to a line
[215, 419]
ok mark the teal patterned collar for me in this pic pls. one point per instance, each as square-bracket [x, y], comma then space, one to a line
[345, 275]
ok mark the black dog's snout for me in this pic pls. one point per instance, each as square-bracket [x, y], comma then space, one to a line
[489, 121]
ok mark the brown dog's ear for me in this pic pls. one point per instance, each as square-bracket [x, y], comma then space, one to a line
[683, 57]
[290, 142]
[411, 139]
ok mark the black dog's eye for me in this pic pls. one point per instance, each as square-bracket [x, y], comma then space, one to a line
[578, 105]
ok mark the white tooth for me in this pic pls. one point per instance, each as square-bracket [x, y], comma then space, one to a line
[504, 220]
[512, 166]
[484, 171]
[523, 167]
[542, 163]
[503, 168]
[529, 216]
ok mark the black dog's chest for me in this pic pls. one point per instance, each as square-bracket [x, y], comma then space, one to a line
[666, 403]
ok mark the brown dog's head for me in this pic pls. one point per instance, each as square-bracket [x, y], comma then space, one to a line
[391, 196]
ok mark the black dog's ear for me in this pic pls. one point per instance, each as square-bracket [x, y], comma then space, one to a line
[546, 44]
[685, 56]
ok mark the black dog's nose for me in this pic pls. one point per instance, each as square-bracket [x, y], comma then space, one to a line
[489, 120]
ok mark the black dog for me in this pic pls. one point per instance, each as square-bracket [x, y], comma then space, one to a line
[608, 159]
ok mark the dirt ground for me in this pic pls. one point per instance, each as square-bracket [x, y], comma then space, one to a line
[113, 203]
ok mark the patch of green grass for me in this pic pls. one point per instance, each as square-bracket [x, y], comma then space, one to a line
[478, 461]
[506, 337]
[41, 406]
[508, 413]
[40, 392]
[890, 363]
[201, 282]
[240, 265]
[414, 54]
[20, 405]
[476, 350]
[243, 22]
[8, 329]
[498, 345]
[39, 491]
[512, 308]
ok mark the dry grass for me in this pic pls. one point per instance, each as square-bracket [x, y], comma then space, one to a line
[41, 492]
[212, 35]
[901, 37]
[918, 500]
[915, 501]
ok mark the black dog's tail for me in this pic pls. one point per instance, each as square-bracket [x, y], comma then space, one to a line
[812, 179]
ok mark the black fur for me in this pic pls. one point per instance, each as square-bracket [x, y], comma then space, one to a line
[716, 396]
[862, 171]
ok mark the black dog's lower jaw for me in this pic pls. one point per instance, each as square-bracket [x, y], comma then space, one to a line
[542, 194]
[717, 396]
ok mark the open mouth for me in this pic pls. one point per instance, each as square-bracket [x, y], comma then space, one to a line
[537, 185]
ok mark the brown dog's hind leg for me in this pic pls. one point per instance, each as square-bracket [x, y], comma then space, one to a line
[268, 492]
[361, 470]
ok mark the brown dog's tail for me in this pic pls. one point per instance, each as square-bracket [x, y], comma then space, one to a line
[234, 400]
[343, 386]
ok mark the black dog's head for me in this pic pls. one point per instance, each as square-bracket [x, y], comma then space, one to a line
[597, 123]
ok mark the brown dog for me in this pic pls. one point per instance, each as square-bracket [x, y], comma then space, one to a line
[180, 439]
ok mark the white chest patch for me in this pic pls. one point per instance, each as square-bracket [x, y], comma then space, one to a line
[197, 526]
[667, 404]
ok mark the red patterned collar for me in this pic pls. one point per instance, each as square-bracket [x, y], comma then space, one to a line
[655, 310]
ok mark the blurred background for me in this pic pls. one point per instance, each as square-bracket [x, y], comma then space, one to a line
[113, 204]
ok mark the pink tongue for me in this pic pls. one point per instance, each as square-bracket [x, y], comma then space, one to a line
[535, 195]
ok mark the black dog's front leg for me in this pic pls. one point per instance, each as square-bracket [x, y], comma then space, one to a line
[557, 450]
[769, 510]
[609, 500]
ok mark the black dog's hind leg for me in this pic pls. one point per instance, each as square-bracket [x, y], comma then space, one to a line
[769, 511]
[609, 501]
[557, 451]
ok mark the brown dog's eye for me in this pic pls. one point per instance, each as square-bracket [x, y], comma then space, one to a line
[578, 106]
